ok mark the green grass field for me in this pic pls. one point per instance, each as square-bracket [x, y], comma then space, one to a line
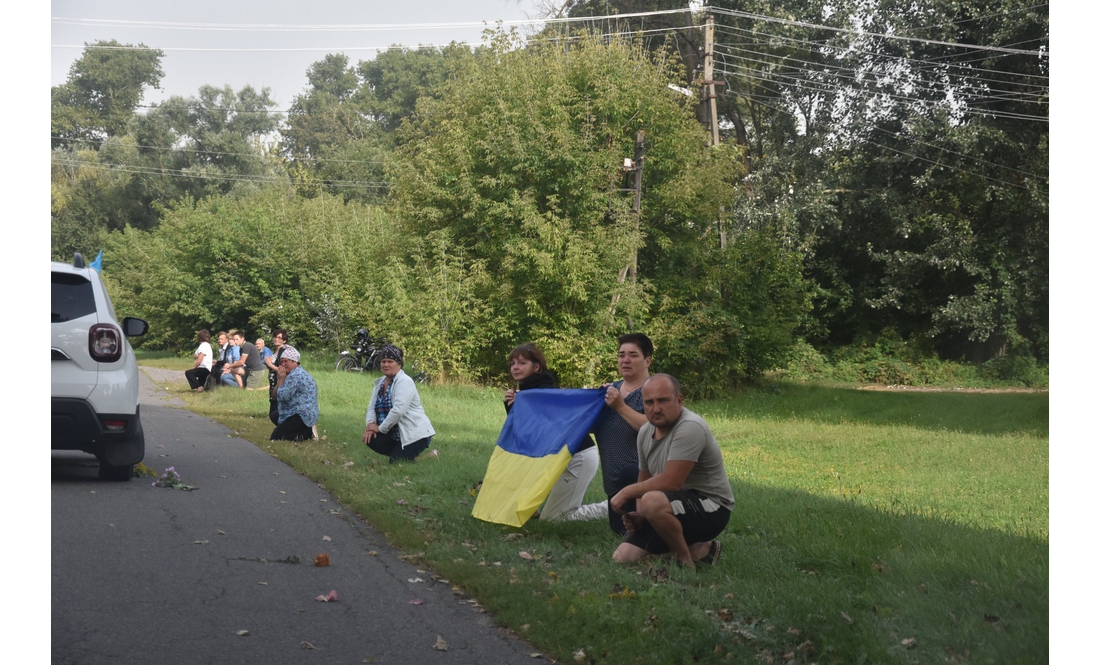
[875, 527]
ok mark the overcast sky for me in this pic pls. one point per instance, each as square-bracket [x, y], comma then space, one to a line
[233, 24]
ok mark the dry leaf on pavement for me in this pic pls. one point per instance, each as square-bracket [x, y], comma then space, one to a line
[329, 597]
[439, 645]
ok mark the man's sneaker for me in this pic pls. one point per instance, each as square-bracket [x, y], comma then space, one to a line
[715, 552]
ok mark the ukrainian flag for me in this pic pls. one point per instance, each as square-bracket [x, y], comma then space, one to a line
[540, 435]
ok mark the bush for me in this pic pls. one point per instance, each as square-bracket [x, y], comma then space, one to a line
[892, 361]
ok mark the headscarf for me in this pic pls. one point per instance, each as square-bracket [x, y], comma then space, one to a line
[291, 353]
[393, 353]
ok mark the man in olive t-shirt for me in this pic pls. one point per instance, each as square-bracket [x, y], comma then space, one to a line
[683, 495]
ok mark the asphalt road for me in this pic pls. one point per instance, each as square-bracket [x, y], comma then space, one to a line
[147, 574]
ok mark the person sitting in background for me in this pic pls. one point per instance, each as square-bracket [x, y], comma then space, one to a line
[265, 352]
[397, 426]
[204, 361]
[683, 494]
[232, 360]
[251, 365]
[279, 338]
[297, 394]
[527, 364]
[219, 363]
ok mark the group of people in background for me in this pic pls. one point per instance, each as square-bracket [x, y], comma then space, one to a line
[238, 363]
[663, 474]
[292, 392]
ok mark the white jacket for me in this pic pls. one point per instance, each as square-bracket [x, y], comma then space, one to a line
[407, 413]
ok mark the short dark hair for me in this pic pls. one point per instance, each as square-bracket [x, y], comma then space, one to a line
[673, 379]
[222, 332]
[204, 335]
[530, 352]
[280, 331]
[237, 333]
[640, 340]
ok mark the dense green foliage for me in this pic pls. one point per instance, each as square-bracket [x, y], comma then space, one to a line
[881, 198]
[519, 163]
[863, 519]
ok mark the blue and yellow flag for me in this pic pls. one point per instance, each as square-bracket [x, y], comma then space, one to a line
[540, 435]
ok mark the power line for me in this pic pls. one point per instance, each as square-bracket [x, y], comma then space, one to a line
[229, 177]
[819, 47]
[855, 76]
[863, 33]
[801, 84]
[219, 152]
[245, 27]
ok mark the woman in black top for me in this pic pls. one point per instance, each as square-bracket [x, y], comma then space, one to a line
[279, 340]
[527, 364]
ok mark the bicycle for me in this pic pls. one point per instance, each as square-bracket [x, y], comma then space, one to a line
[364, 356]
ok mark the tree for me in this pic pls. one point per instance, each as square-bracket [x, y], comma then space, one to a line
[520, 163]
[913, 172]
[341, 131]
[104, 87]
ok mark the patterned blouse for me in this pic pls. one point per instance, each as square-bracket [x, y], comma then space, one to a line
[383, 404]
[298, 396]
[617, 441]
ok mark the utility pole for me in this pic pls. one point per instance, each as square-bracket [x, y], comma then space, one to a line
[708, 79]
[712, 100]
[631, 269]
[639, 158]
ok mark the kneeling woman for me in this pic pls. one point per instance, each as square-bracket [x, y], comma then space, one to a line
[527, 365]
[396, 423]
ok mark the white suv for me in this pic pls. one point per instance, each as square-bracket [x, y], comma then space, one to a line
[95, 375]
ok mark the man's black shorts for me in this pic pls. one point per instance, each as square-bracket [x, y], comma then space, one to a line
[701, 518]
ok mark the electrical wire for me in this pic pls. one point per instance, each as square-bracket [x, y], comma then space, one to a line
[219, 152]
[229, 177]
[856, 75]
[247, 27]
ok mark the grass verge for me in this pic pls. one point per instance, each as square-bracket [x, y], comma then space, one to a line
[870, 527]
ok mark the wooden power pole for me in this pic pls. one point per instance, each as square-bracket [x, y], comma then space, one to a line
[712, 100]
[708, 79]
[639, 160]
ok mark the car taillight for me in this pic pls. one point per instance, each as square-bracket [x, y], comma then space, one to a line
[105, 343]
[115, 425]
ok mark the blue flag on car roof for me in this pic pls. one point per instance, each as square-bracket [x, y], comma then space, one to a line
[98, 263]
[540, 435]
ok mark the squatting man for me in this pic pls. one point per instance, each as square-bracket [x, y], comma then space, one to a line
[683, 498]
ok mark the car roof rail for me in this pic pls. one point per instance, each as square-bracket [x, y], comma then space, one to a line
[78, 260]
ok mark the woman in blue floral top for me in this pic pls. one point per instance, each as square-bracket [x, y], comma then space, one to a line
[296, 392]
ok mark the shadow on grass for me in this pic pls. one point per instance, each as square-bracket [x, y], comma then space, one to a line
[980, 413]
[801, 579]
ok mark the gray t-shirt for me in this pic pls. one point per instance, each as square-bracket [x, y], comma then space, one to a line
[253, 363]
[691, 440]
